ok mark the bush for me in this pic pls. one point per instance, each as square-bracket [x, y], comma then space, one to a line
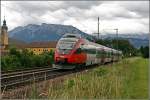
[14, 51]
[25, 59]
[10, 63]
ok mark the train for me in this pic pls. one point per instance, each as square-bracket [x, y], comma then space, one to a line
[73, 51]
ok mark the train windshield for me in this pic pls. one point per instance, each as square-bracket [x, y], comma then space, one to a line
[65, 45]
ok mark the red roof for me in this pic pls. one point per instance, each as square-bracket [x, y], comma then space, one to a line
[50, 44]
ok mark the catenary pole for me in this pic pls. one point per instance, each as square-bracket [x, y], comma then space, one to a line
[98, 27]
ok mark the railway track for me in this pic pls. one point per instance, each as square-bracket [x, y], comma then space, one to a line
[26, 69]
[22, 78]
[17, 79]
[10, 73]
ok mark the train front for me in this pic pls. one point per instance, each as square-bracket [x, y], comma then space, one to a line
[65, 54]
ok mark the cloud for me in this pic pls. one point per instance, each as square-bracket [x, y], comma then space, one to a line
[127, 16]
[81, 4]
[139, 7]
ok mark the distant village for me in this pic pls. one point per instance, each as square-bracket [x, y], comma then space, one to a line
[35, 47]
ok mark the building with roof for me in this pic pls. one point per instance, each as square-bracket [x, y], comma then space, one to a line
[41, 47]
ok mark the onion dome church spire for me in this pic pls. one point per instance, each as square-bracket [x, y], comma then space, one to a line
[4, 34]
[4, 24]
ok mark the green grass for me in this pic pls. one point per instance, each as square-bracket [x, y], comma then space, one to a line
[136, 82]
[127, 79]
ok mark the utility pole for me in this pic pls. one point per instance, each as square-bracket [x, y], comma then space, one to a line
[98, 27]
[117, 38]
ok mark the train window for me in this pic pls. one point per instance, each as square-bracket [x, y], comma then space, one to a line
[66, 45]
[98, 53]
[70, 36]
[104, 54]
[90, 51]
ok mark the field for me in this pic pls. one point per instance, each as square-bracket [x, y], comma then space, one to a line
[127, 79]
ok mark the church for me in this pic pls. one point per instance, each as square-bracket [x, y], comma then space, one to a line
[4, 36]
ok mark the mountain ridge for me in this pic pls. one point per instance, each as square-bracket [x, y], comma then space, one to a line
[53, 32]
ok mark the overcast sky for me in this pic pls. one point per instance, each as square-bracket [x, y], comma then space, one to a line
[127, 16]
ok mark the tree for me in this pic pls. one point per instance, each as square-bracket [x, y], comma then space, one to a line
[145, 51]
[14, 51]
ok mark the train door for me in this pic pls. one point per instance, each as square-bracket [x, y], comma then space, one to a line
[111, 55]
[91, 55]
[99, 54]
[103, 56]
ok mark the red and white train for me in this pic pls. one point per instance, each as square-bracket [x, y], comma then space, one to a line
[73, 51]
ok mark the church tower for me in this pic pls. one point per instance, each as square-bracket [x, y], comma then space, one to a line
[4, 35]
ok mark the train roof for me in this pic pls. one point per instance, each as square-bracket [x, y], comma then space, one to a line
[69, 39]
[71, 35]
[99, 46]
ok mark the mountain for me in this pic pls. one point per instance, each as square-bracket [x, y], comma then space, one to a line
[43, 32]
[137, 40]
[53, 32]
[142, 36]
[16, 43]
[137, 43]
[12, 41]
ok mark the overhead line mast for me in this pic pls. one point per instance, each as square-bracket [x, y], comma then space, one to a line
[98, 27]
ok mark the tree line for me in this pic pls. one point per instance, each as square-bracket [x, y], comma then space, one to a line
[125, 46]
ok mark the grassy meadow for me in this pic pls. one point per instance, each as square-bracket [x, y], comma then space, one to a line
[127, 79]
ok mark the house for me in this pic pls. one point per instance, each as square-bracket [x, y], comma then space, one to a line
[40, 47]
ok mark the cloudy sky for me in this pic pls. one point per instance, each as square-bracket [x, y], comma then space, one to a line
[127, 16]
